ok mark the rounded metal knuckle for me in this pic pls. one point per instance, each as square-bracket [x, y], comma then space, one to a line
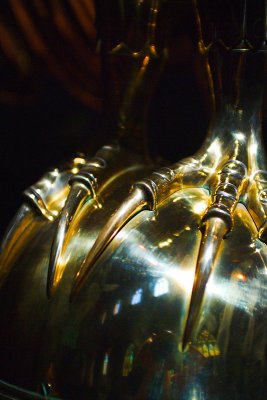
[263, 196]
[235, 167]
[98, 162]
[260, 176]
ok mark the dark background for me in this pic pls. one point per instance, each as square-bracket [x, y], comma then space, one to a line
[44, 121]
[37, 136]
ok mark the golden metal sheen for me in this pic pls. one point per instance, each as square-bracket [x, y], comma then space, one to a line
[122, 279]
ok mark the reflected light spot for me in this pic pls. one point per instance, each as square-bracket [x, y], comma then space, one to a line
[161, 287]
[137, 297]
[128, 361]
[79, 160]
[243, 295]
[239, 136]
[55, 173]
[215, 148]
[105, 364]
[48, 184]
[206, 345]
[209, 253]
[199, 207]
[177, 199]
[61, 264]
[117, 308]
[75, 170]
[165, 243]
[103, 317]
[122, 235]
[253, 149]
[239, 276]
[145, 61]
[183, 278]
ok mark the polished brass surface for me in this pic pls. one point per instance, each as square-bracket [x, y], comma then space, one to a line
[157, 280]
[96, 174]
[48, 195]
[142, 58]
[43, 202]
[128, 321]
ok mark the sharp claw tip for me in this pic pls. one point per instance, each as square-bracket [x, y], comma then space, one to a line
[188, 333]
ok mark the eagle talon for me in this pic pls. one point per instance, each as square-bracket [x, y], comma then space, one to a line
[87, 183]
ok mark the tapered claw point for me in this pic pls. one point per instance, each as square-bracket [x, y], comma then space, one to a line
[214, 231]
[137, 201]
[216, 223]
[75, 200]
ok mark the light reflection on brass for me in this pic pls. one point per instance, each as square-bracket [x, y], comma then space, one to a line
[166, 270]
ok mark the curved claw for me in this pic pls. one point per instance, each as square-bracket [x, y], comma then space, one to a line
[214, 231]
[87, 182]
[216, 222]
[145, 195]
[136, 202]
[75, 200]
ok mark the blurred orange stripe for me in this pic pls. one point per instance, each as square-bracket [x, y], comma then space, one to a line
[13, 51]
[68, 32]
[86, 21]
[71, 76]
